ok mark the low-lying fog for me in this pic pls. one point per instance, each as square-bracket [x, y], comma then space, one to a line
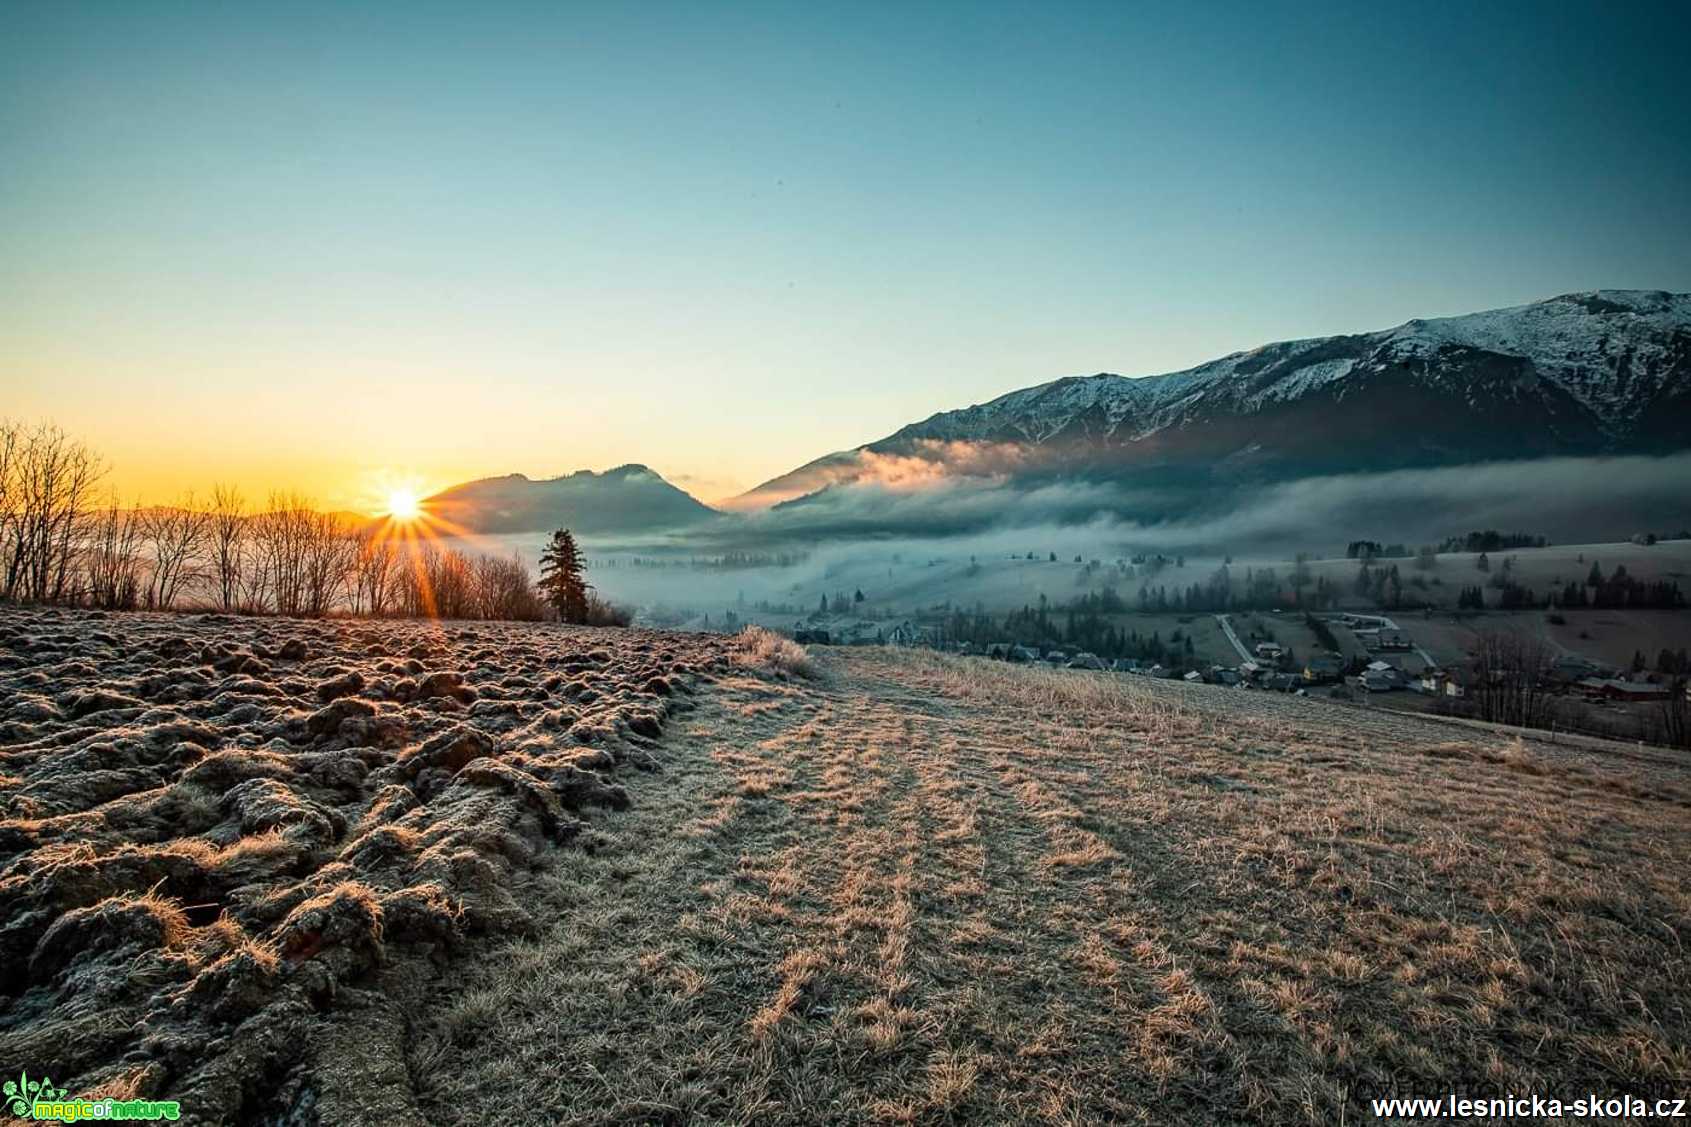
[955, 540]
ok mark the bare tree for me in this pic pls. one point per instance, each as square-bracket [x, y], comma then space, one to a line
[1674, 718]
[410, 580]
[280, 541]
[227, 536]
[436, 582]
[1511, 677]
[1301, 577]
[504, 590]
[177, 535]
[9, 439]
[376, 574]
[447, 572]
[51, 483]
[330, 550]
[111, 558]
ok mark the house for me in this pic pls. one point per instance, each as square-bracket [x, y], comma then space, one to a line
[909, 634]
[1021, 655]
[1393, 640]
[1438, 683]
[1378, 681]
[1323, 668]
[1194, 677]
[1086, 661]
[1280, 682]
[1226, 677]
[1125, 665]
[1609, 688]
[1268, 651]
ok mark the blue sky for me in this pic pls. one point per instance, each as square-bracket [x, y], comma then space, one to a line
[312, 245]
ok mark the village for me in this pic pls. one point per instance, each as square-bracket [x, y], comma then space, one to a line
[1594, 637]
[1357, 658]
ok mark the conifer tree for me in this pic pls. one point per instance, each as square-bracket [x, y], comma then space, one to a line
[561, 581]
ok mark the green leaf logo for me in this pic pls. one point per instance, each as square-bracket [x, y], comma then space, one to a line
[22, 1093]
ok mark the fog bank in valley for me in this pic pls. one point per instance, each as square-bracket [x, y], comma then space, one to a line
[900, 536]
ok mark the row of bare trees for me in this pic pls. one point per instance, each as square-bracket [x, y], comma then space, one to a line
[1511, 678]
[1512, 684]
[60, 544]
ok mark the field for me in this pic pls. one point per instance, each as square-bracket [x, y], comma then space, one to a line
[1539, 569]
[931, 887]
[1608, 637]
[1612, 637]
[229, 847]
[859, 885]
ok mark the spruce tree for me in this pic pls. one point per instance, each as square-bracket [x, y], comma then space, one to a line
[561, 582]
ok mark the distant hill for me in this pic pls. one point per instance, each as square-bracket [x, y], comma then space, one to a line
[1607, 372]
[628, 499]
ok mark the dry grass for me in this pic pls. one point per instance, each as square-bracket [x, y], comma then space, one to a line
[924, 889]
[756, 647]
[1050, 692]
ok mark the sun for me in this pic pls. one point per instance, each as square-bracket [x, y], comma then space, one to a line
[404, 504]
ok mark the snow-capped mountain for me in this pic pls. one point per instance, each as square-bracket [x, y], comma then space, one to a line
[1590, 373]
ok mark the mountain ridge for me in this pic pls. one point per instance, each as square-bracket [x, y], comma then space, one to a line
[1592, 372]
[630, 498]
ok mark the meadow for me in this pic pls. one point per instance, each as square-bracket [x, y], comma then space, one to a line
[917, 888]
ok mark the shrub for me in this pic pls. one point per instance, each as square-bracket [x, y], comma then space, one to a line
[603, 613]
[758, 647]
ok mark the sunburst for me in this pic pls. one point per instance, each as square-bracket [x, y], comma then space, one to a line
[404, 505]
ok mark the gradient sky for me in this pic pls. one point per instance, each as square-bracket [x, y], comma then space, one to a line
[324, 246]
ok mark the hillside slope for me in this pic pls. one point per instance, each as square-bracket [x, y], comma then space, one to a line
[926, 889]
[1593, 373]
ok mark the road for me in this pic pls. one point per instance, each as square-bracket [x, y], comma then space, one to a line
[1226, 623]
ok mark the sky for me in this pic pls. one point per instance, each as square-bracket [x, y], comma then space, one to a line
[335, 247]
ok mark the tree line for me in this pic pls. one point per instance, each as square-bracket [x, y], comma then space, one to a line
[1078, 625]
[1491, 540]
[61, 543]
